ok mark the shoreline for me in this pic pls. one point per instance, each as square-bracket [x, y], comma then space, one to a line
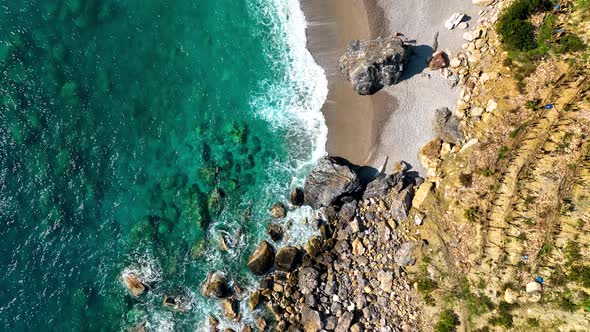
[353, 121]
[397, 121]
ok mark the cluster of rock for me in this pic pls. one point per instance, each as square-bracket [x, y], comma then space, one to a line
[371, 65]
[351, 277]
[464, 69]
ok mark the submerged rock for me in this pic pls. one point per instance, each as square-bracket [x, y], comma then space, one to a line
[371, 65]
[330, 180]
[296, 198]
[262, 259]
[278, 211]
[275, 231]
[134, 284]
[215, 286]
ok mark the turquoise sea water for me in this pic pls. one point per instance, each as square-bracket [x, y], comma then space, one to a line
[134, 135]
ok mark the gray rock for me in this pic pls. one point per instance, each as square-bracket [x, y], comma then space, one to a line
[262, 259]
[403, 256]
[371, 65]
[400, 205]
[447, 126]
[308, 280]
[310, 319]
[330, 180]
[344, 322]
[381, 185]
[347, 211]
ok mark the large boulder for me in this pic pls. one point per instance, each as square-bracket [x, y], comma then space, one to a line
[287, 258]
[447, 126]
[331, 179]
[262, 259]
[309, 280]
[215, 286]
[371, 65]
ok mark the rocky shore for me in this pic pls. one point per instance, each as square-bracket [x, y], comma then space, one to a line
[352, 276]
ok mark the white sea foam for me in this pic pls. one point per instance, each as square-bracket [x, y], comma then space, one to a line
[294, 104]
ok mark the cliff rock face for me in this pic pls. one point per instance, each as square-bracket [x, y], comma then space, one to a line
[332, 179]
[371, 65]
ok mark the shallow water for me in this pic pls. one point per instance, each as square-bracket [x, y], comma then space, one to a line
[133, 136]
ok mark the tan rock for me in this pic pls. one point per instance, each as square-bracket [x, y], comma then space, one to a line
[429, 156]
[492, 106]
[420, 196]
[463, 25]
[510, 296]
[455, 62]
[357, 247]
[134, 284]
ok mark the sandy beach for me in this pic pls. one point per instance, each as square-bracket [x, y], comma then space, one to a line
[397, 121]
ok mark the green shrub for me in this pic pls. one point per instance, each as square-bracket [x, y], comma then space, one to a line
[472, 214]
[504, 317]
[447, 321]
[466, 180]
[425, 285]
[570, 43]
[580, 274]
[503, 153]
[513, 25]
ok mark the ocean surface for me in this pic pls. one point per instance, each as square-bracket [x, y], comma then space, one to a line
[139, 136]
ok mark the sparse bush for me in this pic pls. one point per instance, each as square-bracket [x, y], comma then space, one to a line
[532, 104]
[570, 43]
[447, 321]
[488, 171]
[466, 180]
[472, 214]
[425, 285]
[504, 317]
[503, 153]
[532, 322]
[580, 274]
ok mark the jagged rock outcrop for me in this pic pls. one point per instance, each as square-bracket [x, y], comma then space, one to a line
[331, 179]
[371, 65]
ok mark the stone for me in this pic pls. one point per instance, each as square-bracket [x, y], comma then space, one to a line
[313, 246]
[176, 302]
[254, 300]
[447, 127]
[429, 156]
[381, 185]
[463, 25]
[275, 231]
[476, 111]
[286, 259]
[418, 219]
[310, 319]
[357, 247]
[262, 259]
[385, 281]
[230, 308]
[491, 106]
[278, 211]
[510, 296]
[454, 20]
[358, 327]
[331, 179]
[261, 324]
[371, 65]
[404, 255]
[356, 225]
[296, 197]
[534, 287]
[344, 322]
[215, 286]
[347, 211]
[401, 203]
[455, 62]
[134, 284]
[483, 3]
[421, 194]
[438, 61]
[308, 280]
